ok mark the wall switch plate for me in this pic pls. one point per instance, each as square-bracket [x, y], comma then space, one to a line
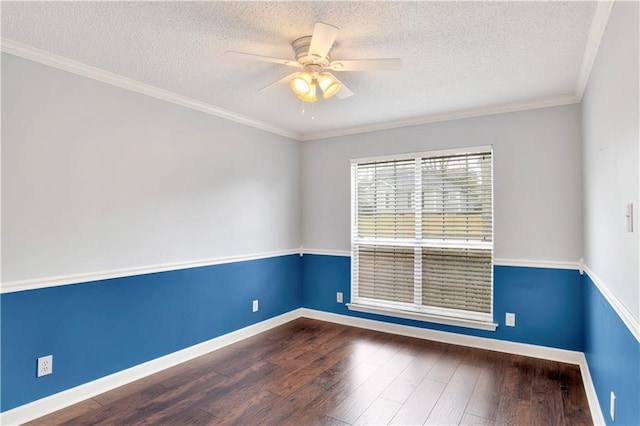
[630, 217]
[612, 406]
[255, 306]
[510, 320]
[339, 297]
[45, 365]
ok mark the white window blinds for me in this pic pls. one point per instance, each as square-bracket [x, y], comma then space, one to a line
[422, 233]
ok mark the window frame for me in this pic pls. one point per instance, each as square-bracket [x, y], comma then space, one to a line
[419, 312]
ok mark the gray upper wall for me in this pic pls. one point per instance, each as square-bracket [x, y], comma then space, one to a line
[96, 178]
[537, 179]
[611, 173]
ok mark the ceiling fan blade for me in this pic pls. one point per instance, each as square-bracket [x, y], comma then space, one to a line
[278, 82]
[391, 64]
[322, 39]
[344, 91]
[287, 62]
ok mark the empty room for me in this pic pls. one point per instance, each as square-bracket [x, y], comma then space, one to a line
[320, 213]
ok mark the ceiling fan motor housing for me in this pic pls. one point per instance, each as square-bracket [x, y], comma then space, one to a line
[301, 50]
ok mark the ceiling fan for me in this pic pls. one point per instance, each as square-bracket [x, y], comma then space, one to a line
[313, 57]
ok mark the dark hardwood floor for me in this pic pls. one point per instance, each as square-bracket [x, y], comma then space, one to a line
[312, 372]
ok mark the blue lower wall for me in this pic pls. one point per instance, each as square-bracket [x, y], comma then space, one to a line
[613, 355]
[548, 303]
[98, 328]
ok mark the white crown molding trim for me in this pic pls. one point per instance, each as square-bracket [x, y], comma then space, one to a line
[36, 283]
[534, 351]
[94, 73]
[596, 32]
[448, 116]
[625, 315]
[60, 62]
[58, 401]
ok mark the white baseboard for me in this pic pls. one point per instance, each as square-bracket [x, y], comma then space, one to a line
[58, 401]
[44, 406]
[561, 355]
[592, 397]
[534, 351]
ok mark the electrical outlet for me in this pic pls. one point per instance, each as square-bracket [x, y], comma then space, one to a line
[255, 306]
[339, 297]
[510, 320]
[612, 406]
[45, 365]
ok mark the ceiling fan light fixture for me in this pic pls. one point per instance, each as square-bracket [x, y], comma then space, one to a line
[328, 85]
[301, 84]
[311, 95]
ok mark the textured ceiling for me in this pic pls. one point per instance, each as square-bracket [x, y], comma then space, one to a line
[456, 56]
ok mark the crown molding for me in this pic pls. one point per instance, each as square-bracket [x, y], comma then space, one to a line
[65, 64]
[596, 32]
[447, 116]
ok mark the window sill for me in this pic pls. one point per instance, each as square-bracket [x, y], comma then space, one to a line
[458, 322]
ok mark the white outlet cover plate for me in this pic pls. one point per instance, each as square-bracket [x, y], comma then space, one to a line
[339, 297]
[612, 406]
[45, 365]
[255, 306]
[510, 320]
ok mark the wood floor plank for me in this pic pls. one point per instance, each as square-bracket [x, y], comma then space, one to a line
[297, 374]
[513, 411]
[546, 394]
[298, 401]
[356, 403]
[471, 420]
[189, 416]
[123, 407]
[418, 406]
[486, 394]
[344, 337]
[309, 372]
[293, 358]
[446, 364]
[196, 393]
[67, 414]
[335, 395]
[452, 402]
[232, 410]
[407, 381]
[518, 377]
[380, 412]
[574, 399]
[173, 401]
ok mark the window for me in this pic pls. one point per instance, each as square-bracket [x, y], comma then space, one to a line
[422, 236]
